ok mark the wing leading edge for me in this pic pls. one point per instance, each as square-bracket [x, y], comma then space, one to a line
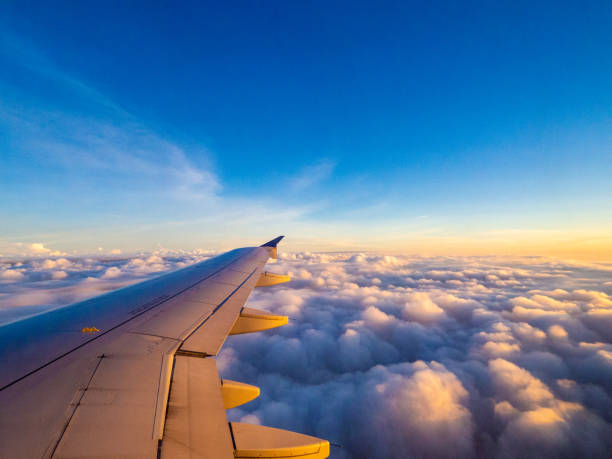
[132, 373]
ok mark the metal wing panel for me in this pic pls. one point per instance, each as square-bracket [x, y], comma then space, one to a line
[165, 322]
[204, 325]
[109, 390]
[118, 414]
[34, 412]
[209, 292]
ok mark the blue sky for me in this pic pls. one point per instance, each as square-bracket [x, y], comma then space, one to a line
[433, 127]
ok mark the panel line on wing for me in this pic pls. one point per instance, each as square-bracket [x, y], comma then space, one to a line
[196, 354]
[238, 271]
[221, 304]
[226, 283]
[76, 406]
[232, 435]
[153, 334]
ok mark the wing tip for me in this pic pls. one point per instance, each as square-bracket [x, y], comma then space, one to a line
[273, 243]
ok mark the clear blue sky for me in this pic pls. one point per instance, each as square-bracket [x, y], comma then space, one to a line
[344, 124]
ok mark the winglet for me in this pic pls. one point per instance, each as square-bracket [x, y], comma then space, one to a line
[273, 242]
[271, 246]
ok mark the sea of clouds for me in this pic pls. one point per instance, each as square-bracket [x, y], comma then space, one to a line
[400, 357]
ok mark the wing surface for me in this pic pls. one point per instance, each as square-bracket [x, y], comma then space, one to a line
[132, 373]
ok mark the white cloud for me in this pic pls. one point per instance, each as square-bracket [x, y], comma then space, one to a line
[33, 249]
[420, 409]
[496, 349]
[11, 275]
[111, 273]
[421, 308]
[557, 332]
[539, 424]
[58, 275]
[517, 385]
[396, 356]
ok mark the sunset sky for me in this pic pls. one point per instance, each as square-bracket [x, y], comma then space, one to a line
[413, 127]
[442, 172]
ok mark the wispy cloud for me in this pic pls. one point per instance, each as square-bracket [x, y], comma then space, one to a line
[89, 132]
[311, 175]
[26, 55]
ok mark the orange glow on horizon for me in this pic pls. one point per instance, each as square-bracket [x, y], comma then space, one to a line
[568, 245]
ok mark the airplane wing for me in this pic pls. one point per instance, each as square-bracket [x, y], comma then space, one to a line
[132, 373]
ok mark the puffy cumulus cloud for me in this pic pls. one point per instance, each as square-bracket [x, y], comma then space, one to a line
[528, 335]
[420, 308]
[557, 332]
[590, 297]
[11, 275]
[405, 410]
[33, 249]
[435, 400]
[536, 423]
[400, 410]
[59, 275]
[494, 348]
[111, 273]
[401, 357]
[518, 385]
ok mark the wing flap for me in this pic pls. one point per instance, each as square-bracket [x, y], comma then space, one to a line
[196, 425]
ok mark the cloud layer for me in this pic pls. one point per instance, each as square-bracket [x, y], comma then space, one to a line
[398, 357]
[32, 285]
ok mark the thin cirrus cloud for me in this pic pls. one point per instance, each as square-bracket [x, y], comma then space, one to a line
[395, 356]
[78, 128]
[312, 175]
